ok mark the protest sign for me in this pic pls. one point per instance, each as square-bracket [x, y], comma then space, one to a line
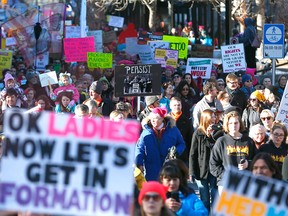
[98, 39]
[166, 57]
[145, 54]
[144, 36]
[116, 21]
[131, 46]
[233, 58]
[41, 61]
[282, 113]
[178, 43]
[109, 36]
[76, 49]
[199, 67]
[202, 51]
[158, 44]
[137, 80]
[67, 166]
[45, 78]
[5, 60]
[245, 194]
[99, 60]
[72, 31]
[10, 41]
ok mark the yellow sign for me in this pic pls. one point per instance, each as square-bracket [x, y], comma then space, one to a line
[99, 60]
[178, 43]
[5, 60]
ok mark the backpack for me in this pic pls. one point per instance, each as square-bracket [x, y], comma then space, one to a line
[256, 41]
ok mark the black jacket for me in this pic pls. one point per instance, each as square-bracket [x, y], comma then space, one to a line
[238, 98]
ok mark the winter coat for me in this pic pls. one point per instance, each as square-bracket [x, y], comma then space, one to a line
[228, 151]
[250, 117]
[68, 88]
[151, 152]
[200, 154]
[191, 206]
[238, 98]
[249, 32]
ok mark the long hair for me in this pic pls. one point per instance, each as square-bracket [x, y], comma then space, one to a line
[193, 83]
[46, 100]
[205, 120]
[181, 86]
[59, 99]
[269, 162]
[279, 125]
[226, 121]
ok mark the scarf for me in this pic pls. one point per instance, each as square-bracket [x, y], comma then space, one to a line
[176, 116]
[159, 131]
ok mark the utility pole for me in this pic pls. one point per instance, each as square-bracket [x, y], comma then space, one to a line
[227, 20]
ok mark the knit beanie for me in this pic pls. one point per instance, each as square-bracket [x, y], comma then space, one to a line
[149, 100]
[97, 87]
[161, 111]
[8, 76]
[258, 95]
[246, 77]
[152, 186]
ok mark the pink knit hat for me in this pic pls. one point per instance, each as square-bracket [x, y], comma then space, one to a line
[8, 76]
[161, 111]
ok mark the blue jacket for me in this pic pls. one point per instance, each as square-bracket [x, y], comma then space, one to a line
[249, 32]
[191, 206]
[151, 152]
[166, 103]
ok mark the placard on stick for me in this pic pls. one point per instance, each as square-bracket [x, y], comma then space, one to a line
[99, 60]
[45, 78]
[67, 166]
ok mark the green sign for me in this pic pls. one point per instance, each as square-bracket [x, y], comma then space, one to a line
[99, 60]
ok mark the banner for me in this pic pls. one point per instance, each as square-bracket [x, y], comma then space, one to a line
[202, 51]
[233, 58]
[166, 57]
[99, 60]
[98, 40]
[245, 194]
[76, 49]
[178, 43]
[5, 60]
[67, 166]
[199, 67]
[137, 80]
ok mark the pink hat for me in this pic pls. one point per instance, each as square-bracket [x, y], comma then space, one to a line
[8, 76]
[161, 111]
[152, 186]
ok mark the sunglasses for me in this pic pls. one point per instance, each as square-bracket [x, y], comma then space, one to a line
[176, 77]
[264, 118]
[248, 81]
[259, 87]
[154, 197]
[278, 135]
[221, 84]
[253, 99]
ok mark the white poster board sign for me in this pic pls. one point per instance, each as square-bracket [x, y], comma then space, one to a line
[145, 54]
[98, 37]
[131, 45]
[199, 67]
[10, 41]
[282, 113]
[67, 166]
[45, 78]
[233, 58]
[116, 21]
[41, 61]
[72, 31]
[158, 45]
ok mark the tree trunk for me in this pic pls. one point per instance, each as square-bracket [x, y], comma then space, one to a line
[152, 15]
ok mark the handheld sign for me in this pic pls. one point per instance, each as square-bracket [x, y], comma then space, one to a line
[67, 166]
[166, 57]
[99, 60]
[178, 43]
[199, 67]
[233, 58]
[137, 80]
[76, 49]
[282, 113]
[5, 60]
[49, 78]
[245, 194]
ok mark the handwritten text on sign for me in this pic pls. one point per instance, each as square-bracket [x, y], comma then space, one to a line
[76, 48]
[178, 43]
[233, 58]
[67, 165]
[99, 60]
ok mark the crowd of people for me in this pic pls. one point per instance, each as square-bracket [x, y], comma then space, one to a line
[193, 131]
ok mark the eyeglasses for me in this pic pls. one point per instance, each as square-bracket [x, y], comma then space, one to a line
[264, 118]
[253, 99]
[233, 83]
[278, 135]
[155, 197]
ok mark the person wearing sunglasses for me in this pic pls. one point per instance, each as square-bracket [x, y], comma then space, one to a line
[221, 84]
[152, 199]
[247, 87]
[277, 146]
[251, 114]
[267, 118]
[176, 79]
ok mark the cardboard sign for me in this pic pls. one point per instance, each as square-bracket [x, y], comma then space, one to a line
[10, 41]
[116, 21]
[109, 36]
[245, 194]
[76, 48]
[233, 58]
[166, 57]
[282, 113]
[131, 46]
[5, 60]
[98, 39]
[158, 44]
[41, 61]
[144, 36]
[45, 78]
[202, 51]
[145, 54]
[137, 80]
[199, 67]
[67, 166]
[99, 60]
[178, 43]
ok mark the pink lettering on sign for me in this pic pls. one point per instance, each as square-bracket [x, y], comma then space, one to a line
[122, 131]
[76, 49]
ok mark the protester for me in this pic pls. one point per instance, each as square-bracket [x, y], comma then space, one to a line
[167, 94]
[116, 115]
[93, 109]
[282, 80]
[63, 100]
[81, 110]
[30, 95]
[266, 82]
[176, 79]
[272, 98]
[258, 134]
[158, 136]
[267, 118]
[151, 103]
[247, 87]
[221, 84]
[224, 99]
[42, 102]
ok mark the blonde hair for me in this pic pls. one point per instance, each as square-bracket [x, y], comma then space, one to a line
[114, 114]
[205, 119]
[226, 121]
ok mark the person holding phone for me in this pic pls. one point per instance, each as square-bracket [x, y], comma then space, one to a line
[180, 198]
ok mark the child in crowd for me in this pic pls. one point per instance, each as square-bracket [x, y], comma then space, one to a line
[65, 85]
[63, 101]
[10, 83]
